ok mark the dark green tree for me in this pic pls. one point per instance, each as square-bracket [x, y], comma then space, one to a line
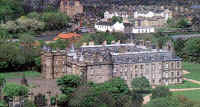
[160, 91]
[141, 84]
[192, 50]
[116, 19]
[54, 20]
[182, 23]
[69, 83]
[11, 90]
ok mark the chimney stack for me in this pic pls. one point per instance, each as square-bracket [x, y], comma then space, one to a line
[84, 44]
[91, 43]
[148, 44]
[141, 42]
[118, 42]
[113, 42]
[105, 42]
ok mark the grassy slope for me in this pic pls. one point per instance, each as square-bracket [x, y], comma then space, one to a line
[11, 75]
[194, 70]
[192, 95]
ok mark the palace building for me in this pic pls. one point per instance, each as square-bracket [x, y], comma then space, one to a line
[100, 63]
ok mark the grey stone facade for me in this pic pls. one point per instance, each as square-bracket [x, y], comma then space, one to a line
[100, 63]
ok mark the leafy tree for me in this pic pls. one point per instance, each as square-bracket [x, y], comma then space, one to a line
[12, 89]
[63, 100]
[196, 23]
[117, 19]
[28, 103]
[179, 44]
[182, 23]
[10, 9]
[137, 99]
[140, 83]
[27, 24]
[54, 20]
[116, 86]
[160, 91]
[87, 97]
[160, 39]
[69, 83]
[192, 50]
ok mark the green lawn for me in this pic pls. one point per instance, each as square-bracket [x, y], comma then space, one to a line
[194, 70]
[186, 84]
[12, 75]
[192, 95]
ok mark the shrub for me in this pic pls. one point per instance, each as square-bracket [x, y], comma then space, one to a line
[160, 91]
[12, 89]
[141, 84]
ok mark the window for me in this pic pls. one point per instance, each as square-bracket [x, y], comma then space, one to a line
[178, 64]
[141, 66]
[178, 80]
[153, 81]
[135, 66]
[178, 73]
[172, 73]
[172, 65]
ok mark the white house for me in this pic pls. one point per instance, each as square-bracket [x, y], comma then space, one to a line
[109, 26]
[143, 30]
[160, 13]
[109, 15]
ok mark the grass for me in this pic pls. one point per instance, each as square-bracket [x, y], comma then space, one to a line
[14, 75]
[194, 70]
[192, 95]
[186, 84]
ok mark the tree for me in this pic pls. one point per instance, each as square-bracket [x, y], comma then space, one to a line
[117, 19]
[86, 96]
[27, 24]
[54, 20]
[196, 23]
[192, 50]
[160, 39]
[10, 9]
[160, 91]
[69, 83]
[116, 86]
[63, 100]
[182, 23]
[141, 84]
[12, 89]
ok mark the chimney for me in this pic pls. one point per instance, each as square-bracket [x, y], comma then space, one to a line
[84, 44]
[113, 42]
[118, 42]
[105, 42]
[141, 42]
[91, 43]
[148, 44]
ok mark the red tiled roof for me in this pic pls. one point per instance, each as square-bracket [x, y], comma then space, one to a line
[66, 36]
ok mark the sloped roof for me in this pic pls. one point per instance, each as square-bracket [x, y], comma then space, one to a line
[66, 36]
